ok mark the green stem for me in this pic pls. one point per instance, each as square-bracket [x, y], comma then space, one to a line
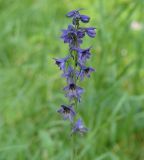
[72, 154]
[73, 140]
[74, 150]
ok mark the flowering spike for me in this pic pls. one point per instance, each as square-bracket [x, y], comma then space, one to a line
[74, 66]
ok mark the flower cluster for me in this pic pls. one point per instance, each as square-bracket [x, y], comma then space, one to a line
[74, 66]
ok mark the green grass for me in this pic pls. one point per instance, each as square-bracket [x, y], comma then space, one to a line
[31, 87]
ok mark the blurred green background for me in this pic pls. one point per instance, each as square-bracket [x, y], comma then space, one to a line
[31, 85]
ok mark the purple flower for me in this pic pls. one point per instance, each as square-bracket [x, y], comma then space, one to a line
[67, 112]
[91, 32]
[81, 33]
[78, 17]
[83, 54]
[69, 34]
[79, 127]
[61, 62]
[70, 74]
[72, 36]
[85, 72]
[84, 18]
[72, 13]
[73, 91]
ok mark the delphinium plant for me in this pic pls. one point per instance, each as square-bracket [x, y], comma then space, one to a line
[74, 67]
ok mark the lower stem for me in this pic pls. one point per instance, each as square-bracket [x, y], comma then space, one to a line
[72, 154]
[73, 151]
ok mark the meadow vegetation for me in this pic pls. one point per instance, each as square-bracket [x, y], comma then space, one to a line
[31, 86]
